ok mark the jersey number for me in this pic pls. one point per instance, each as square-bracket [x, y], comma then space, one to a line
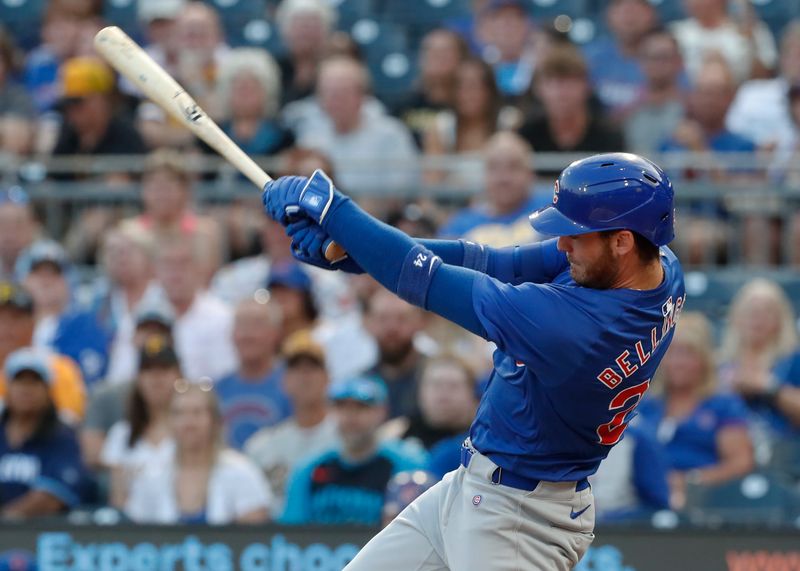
[611, 432]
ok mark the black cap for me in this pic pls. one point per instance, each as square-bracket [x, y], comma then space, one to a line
[157, 351]
[13, 295]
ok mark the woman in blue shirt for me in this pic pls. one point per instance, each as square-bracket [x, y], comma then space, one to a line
[705, 435]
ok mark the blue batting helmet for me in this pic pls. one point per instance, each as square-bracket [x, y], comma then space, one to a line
[614, 191]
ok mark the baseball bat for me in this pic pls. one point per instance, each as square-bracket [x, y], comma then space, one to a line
[131, 61]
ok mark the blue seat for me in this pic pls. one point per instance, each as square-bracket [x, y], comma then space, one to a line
[393, 74]
[546, 10]
[258, 33]
[758, 498]
[377, 38]
[786, 458]
[423, 14]
[669, 10]
[350, 11]
[23, 19]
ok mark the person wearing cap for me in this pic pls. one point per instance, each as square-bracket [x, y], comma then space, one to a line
[143, 436]
[109, 400]
[310, 430]
[40, 462]
[203, 328]
[167, 211]
[17, 229]
[252, 397]
[289, 286]
[508, 32]
[91, 124]
[16, 331]
[61, 324]
[346, 485]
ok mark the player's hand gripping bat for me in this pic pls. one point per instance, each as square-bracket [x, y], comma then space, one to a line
[133, 62]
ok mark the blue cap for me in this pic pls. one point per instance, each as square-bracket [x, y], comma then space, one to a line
[367, 390]
[28, 359]
[46, 252]
[289, 275]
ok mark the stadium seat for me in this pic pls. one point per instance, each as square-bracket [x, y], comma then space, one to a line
[258, 33]
[786, 458]
[378, 38]
[393, 74]
[423, 14]
[758, 498]
[545, 11]
[23, 19]
[350, 11]
[236, 14]
[669, 10]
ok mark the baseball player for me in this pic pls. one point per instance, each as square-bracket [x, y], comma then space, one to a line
[580, 323]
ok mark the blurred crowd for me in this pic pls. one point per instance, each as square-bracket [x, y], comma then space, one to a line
[171, 360]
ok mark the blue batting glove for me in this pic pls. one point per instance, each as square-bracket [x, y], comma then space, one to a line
[320, 198]
[281, 198]
[309, 243]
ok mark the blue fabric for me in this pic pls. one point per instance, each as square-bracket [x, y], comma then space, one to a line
[416, 273]
[250, 404]
[617, 79]
[649, 470]
[445, 456]
[693, 443]
[81, 336]
[476, 257]
[268, 139]
[568, 371]
[51, 464]
[331, 490]
[470, 218]
[198, 518]
[722, 142]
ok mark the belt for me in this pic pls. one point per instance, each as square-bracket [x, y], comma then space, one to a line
[507, 478]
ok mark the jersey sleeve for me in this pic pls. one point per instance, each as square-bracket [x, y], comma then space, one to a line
[62, 474]
[731, 411]
[297, 510]
[539, 325]
[650, 471]
[540, 262]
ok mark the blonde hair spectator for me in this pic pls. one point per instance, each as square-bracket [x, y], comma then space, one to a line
[260, 65]
[693, 331]
[291, 8]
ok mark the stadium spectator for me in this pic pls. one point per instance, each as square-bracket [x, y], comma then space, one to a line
[305, 27]
[368, 148]
[158, 21]
[16, 332]
[252, 397]
[395, 324]
[92, 125]
[249, 95]
[703, 128]
[441, 52]
[203, 324]
[660, 104]
[143, 436]
[347, 484]
[109, 400]
[466, 128]
[289, 285]
[761, 111]
[447, 402]
[40, 462]
[125, 282]
[310, 430]
[202, 482]
[704, 434]
[631, 483]
[614, 65]
[17, 113]
[501, 217]
[743, 40]
[168, 213]
[201, 51]
[17, 229]
[508, 34]
[61, 324]
[568, 123]
[761, 361]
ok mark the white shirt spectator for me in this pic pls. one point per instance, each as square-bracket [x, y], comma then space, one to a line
[204, 339]
[117, 452]
[235, 488]
[378, 156]
[278, 449]
[760, 112]
[696, 42]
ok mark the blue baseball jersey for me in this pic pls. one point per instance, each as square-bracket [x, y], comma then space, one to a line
[248, 405]
[691, 442]
[571, 366]
[50, 463]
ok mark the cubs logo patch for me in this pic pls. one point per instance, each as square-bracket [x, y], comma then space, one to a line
[476, 500]
[555, 193]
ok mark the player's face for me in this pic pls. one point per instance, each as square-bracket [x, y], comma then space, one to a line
[592, 262]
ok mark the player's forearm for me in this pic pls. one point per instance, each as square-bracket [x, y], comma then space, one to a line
[33, 504]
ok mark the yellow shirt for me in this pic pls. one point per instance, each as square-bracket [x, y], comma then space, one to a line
[68, 390]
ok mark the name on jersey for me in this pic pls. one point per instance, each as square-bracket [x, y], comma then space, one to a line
[629, 361]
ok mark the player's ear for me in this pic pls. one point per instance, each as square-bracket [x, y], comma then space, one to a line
[623, 242]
